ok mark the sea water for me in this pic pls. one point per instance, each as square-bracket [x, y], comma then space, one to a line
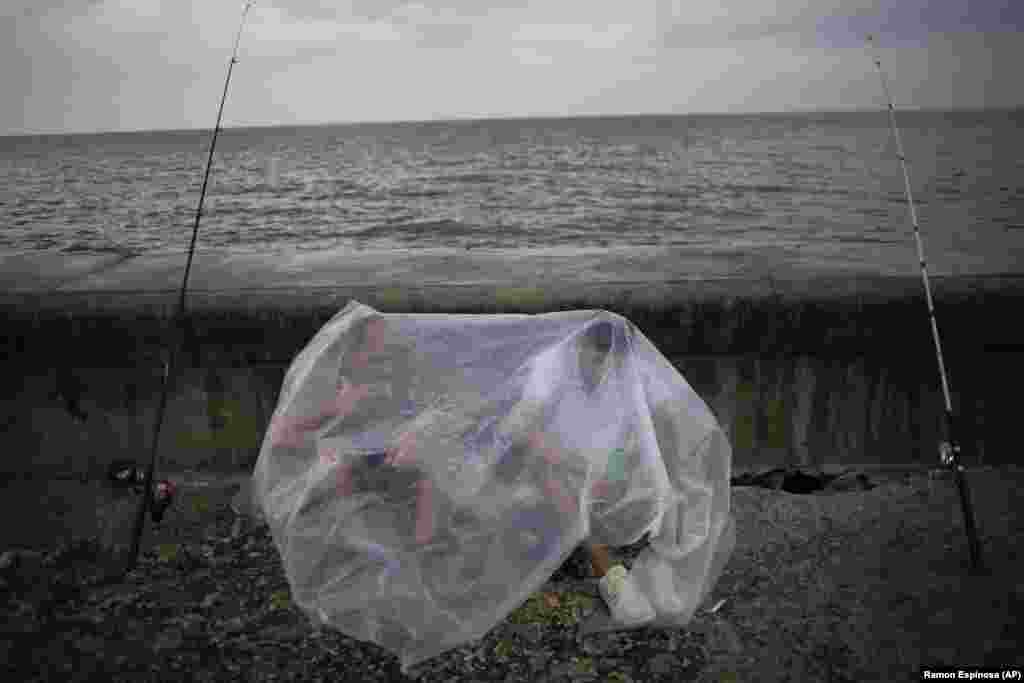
[814, 181]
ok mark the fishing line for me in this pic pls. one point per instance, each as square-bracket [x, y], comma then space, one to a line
[950, 451]
[170, 354]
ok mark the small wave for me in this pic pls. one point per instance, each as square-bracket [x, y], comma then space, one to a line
[863, 238]
[456, 161]
[771, 188]
[829, 148]
[256, 188]
[283, 211]
[415, 228]
[471, 178]
[417, 194]
[79, 248]
[663, 207]
[444, 228]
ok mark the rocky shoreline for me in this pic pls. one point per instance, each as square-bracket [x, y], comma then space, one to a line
[857, 585]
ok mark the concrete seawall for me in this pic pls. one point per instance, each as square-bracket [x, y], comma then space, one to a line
[822, 371]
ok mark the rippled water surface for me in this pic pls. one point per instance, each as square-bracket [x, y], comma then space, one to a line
[806, 179]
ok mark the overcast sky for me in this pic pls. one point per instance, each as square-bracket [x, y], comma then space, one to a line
[92, 65]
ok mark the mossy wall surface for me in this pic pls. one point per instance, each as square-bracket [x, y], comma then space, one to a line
[825, 373]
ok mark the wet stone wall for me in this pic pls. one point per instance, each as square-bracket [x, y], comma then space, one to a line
[814, 382]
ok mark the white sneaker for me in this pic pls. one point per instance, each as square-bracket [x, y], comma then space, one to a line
[664, 596]
[627, 604]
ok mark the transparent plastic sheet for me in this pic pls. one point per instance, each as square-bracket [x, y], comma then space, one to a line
[424, 474]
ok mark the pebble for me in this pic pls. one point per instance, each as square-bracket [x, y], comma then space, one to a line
[210, 600]
[13, 559]
[851, 481]
[168, 640]
[728, 637]
[531, 633]
[663, 663]
[234, 625]
[538, 663]
[944, 618]
[8, 560]
[285, 634]
[562, 669]
[194, 630]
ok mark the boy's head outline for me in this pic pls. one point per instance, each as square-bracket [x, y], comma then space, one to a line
[600, 347]
[367, 336]
[370, 333]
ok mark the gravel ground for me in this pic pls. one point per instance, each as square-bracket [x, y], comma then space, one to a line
[863, 585]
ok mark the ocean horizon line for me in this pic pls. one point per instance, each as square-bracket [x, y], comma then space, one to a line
[523, 118]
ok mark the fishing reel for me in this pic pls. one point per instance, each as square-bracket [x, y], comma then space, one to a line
[124, 474]
[949, 454]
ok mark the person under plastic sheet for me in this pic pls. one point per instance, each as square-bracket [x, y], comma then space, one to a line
[596, 420]
[537, 465]
[374, 395]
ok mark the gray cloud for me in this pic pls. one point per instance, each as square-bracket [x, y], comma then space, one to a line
[315, 10]
[376, 10]
[443, 36]
[132, 64]
[836, 23]
[911, 21]
[426, 24]
[34, 9]
[737, 21]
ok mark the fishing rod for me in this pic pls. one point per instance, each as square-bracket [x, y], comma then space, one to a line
[949, 451]
[170, 355]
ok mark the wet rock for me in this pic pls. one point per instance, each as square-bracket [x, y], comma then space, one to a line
[724, 637]
[169, 639]
[538, 663]
[800, 481]
[530, 633]
[946, 617]
[851, 481]
[15, 560]
[663, 664]
[210, 600]
[26, 570]
[262, 671]
[91, 644]
[8, 560]
[285, 634]
[235, 625]
[603, 642]
[562, 669]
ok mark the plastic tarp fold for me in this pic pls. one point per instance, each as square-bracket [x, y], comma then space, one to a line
[423, 474]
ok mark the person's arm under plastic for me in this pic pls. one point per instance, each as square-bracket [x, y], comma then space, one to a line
[288, 431]
[404, 453]
[556, 456]
[526, 418]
